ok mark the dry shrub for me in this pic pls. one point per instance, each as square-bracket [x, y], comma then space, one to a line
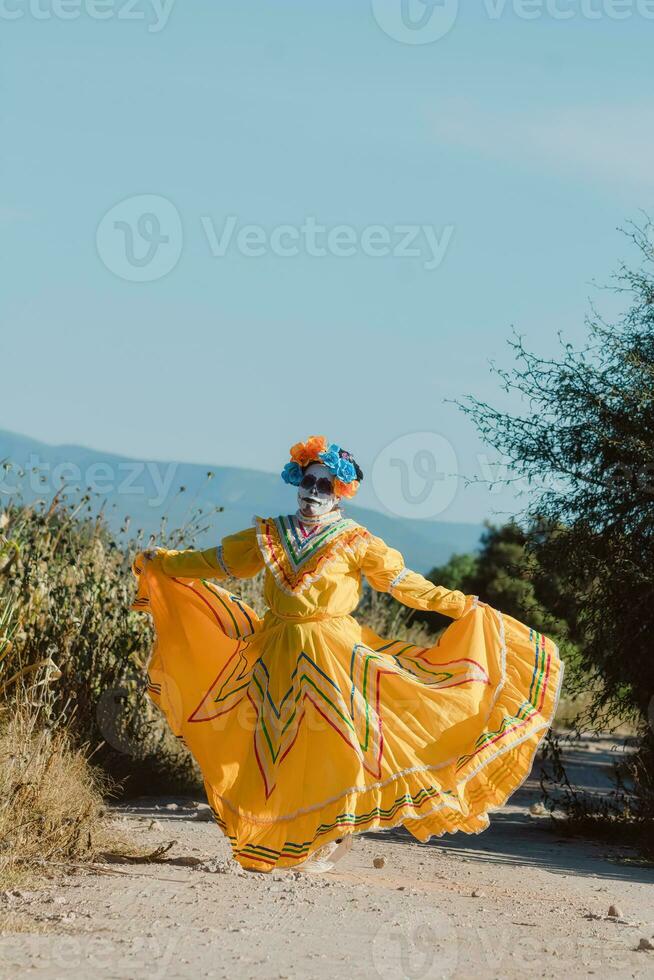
[51, 798]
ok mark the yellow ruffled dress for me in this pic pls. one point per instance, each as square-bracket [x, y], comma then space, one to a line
[307, 726]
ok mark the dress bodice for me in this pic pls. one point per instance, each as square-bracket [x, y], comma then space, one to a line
[310, 570]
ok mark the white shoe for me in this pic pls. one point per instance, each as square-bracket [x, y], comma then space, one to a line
[326, 857]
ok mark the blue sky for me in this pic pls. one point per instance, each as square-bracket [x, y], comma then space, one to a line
[521, 143]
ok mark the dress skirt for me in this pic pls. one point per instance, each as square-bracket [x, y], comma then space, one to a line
[309, 728]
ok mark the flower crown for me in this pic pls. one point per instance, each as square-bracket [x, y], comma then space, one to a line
[347, 473]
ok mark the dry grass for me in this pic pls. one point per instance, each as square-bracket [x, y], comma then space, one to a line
[51, 798]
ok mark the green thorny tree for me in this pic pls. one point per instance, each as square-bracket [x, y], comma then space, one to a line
[585, 446]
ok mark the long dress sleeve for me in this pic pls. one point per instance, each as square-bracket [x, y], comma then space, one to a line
[385, 570]
[238, 556]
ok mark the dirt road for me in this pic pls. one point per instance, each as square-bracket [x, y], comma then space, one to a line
[517, 901]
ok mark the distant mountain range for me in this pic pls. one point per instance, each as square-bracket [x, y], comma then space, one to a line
[146, 491]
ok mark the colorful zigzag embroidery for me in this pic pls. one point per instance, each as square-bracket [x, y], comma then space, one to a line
[296, 554]
[357, 718]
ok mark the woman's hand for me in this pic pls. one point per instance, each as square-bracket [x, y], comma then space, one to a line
[151, 553]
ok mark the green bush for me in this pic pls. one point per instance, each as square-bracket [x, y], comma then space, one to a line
[66, 590]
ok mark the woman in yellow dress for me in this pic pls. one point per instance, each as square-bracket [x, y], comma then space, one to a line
[308, 727]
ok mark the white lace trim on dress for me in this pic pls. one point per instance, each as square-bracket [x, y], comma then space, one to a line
[398, 578]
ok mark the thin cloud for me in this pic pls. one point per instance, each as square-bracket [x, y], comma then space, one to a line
[611, 144]
[8, 214]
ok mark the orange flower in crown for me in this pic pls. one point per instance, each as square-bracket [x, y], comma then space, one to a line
[307, 452]
[345, 489]
[346, 471]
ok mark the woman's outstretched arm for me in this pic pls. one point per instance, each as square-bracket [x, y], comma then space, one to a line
[238, 556]
[385, 570]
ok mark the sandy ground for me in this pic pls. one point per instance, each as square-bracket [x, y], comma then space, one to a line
[516, 901]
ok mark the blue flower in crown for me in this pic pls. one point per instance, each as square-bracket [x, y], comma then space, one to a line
[338, 464]
[292, 473]
[330, 457]
[345, 472]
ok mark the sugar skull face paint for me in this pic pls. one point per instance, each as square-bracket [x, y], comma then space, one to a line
[315, 494]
